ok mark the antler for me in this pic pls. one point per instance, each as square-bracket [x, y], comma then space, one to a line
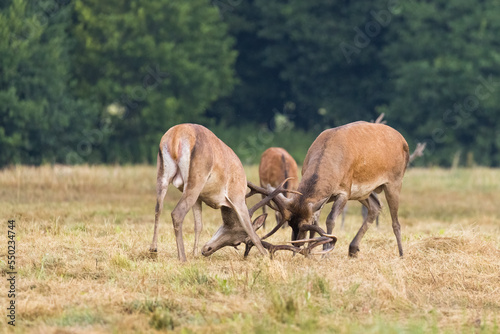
[270, 195]
[306, 251]
[379, 119]
[419, 151]
[282, 207]
[317, 229]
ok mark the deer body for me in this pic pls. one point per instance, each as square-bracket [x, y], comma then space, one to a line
[349, 163]
[276, 165]
[206, 170]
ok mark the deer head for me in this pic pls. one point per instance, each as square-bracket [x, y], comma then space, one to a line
[300, 224]
[231, 233]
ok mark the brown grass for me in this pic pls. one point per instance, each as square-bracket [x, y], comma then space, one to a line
[83, 235]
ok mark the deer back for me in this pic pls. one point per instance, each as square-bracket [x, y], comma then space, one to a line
[354, 159]
[201, 157]
[276, 165]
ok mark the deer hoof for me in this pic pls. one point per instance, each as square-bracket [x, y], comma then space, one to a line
[353, 251]
[153, 250]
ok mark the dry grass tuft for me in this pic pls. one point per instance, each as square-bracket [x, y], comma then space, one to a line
[82, 257]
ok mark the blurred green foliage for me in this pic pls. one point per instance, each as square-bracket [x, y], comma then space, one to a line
[92, 81]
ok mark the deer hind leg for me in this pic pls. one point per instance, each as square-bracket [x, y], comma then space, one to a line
[166, 170]
[392, 196]
[373, 205]
[337, 209]
[161, 192]
[198, 225]
[188, 200]
[364, 210]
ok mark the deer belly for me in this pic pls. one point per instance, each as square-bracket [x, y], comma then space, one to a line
[360, 191]
[212, 194]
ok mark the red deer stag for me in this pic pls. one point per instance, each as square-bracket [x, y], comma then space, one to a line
[277, 165]
[348, 163]
[206, 170]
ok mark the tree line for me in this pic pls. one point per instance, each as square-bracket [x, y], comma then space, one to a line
[100, 82]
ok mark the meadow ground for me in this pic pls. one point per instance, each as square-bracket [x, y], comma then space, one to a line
[83, 266]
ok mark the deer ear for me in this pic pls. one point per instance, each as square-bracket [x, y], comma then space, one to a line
[319, 205]
[259, 221]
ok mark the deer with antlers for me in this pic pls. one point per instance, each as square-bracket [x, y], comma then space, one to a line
[350, 162]
[277, 165]
[206, 170]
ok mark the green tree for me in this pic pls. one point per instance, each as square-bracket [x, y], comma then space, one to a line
[40, 120]
[151, 65]
[292, 56]
[444, 60]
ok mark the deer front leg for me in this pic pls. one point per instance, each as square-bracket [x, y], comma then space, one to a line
[242, 213]
[337, 209]
[198, 225]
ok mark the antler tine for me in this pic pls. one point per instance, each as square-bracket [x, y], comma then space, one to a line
[379, 119]
[256, 189]
[273, 248]
[323, 252]
[319, 230]
[276, 228]
[251, 193]
[320, 241]
[270, 196]
[304, 251]
[419, 151]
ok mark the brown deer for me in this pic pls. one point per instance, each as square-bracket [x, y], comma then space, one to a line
[206, 170]
[277, 165]
[349, 162]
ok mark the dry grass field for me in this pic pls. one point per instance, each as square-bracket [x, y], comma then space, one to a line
[83, 235]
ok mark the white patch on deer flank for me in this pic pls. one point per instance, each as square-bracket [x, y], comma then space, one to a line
[169, 168]
[183, 163]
